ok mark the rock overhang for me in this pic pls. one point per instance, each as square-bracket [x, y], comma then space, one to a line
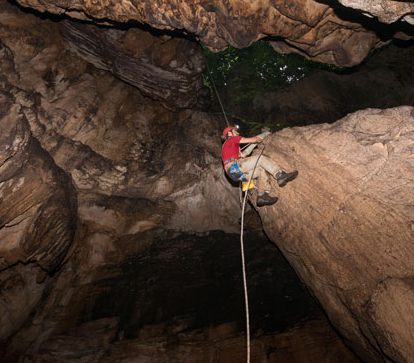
[317, 30]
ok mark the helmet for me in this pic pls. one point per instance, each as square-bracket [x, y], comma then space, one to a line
[227, 130]
[230, 128]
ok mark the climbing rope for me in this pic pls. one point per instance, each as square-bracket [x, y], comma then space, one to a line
[217, 95]
[243, 260]
[246, 296]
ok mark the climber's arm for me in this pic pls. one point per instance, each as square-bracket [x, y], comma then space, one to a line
[251, 140]
[253, 143]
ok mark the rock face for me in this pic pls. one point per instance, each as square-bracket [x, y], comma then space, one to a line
[82, 150]
[166, 69]
[91, 342]
[387, 11]
[180, 299]
[346, 224]
[311, 28]
[37, 217]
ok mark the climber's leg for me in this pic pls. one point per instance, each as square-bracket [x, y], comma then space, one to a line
[263, 196]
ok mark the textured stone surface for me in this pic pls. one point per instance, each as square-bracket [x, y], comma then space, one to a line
[306, 26]
[79, 145]
[346, 224]
[387, 11]
[137, 167]
[311, 342]
[37, 216]
[163, 68]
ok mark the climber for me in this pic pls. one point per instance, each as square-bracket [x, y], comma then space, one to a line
[238, 164]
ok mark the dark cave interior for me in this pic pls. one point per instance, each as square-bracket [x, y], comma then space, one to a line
[159, 284]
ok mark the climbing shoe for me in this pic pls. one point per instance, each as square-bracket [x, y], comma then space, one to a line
[265, 199]
[283, 178]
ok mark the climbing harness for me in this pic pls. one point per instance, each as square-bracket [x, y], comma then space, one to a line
[235, 173]
[247, 186]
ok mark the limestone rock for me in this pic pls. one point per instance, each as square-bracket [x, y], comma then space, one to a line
[165, 69]
[137, 167]
[96, 342]
[107, 136]
[310, 27]
[37, 216]
[78, 145]
[387, 11]
[346, 223]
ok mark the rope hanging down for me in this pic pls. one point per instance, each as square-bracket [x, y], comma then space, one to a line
[217, 95]
[246, 295]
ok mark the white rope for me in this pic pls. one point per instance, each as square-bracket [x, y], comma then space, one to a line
[246, 295]
[217, 95]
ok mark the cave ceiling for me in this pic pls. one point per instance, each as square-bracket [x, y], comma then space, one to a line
[341, 33]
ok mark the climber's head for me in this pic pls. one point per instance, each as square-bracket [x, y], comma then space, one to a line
[229, 129]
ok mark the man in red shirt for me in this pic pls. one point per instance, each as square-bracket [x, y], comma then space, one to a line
[239, 165]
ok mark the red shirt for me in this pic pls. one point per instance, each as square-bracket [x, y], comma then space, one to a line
[231, 148]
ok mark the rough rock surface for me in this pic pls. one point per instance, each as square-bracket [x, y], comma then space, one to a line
[78, 145]
[173, 301]
[136, 167]
[309, 27]
[309, 342]
[387, 11]
[37, 216]
[163, 68]
[347, 224]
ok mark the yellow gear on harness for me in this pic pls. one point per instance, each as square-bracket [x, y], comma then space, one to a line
[247, 186]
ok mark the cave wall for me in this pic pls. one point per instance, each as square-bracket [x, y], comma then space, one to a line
[93, 152]
[319, 30]
[346, 224]
[84, 151]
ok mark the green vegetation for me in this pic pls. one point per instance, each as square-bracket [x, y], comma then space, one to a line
[258, 65]
[240, 75]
